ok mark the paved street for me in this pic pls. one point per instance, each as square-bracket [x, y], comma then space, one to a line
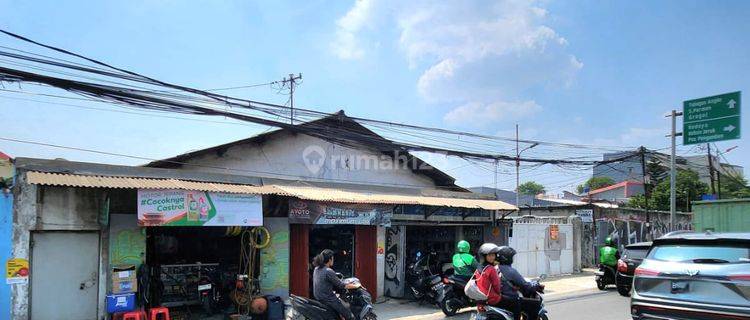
[591, 305]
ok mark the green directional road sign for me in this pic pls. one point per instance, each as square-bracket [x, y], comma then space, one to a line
[711, 119]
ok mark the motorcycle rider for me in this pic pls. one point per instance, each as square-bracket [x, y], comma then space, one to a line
[513, 284]
[464, 263]
[326, 283]
[608, 256]
[488, 253]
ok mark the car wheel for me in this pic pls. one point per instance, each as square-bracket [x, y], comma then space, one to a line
[623, 291]
[449, 306]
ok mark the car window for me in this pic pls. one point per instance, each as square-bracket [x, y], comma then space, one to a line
[636, 253]
[701, 254]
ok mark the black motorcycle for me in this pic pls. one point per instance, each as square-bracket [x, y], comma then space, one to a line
[208, 294]
[454, 298]
[359, 300]
[424, 280]
[605, 276]
[495, 313]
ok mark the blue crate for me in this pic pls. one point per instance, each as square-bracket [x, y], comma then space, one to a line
[120, 302]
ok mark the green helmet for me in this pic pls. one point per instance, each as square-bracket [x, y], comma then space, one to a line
[463, 246]
[608, 241]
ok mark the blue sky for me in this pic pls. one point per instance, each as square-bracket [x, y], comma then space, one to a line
[589, 72]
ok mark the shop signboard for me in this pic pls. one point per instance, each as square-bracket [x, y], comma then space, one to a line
[314, 212]
[198, 208]
[587, 215]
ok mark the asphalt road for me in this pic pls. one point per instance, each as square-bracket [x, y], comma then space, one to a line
[599, 306]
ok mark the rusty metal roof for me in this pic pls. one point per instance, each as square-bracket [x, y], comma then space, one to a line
[302, 192]
[75, 180]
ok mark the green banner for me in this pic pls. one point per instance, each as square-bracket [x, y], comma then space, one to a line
[198, 208]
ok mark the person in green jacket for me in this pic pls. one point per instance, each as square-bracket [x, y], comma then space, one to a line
[464, 262]
[608, 254]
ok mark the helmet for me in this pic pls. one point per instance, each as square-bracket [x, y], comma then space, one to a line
[505, 255]
[463, 246]
[487, 248]
[608, 241]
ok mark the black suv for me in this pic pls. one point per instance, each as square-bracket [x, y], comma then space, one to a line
[630, 259]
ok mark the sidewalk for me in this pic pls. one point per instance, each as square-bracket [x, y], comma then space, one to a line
[560, 287]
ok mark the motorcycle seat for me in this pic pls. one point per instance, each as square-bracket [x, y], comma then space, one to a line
[460, 281]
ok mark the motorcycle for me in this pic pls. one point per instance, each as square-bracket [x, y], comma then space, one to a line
[208, 294]
[359, 300]
[454, 298]
[496, 313]
[605, 276]
[425, 285]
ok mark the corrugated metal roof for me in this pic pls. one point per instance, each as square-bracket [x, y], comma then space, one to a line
[74, 180]
[302, 192]
[339, 195]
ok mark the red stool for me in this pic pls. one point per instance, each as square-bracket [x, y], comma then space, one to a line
[158, 313]
[134, 315]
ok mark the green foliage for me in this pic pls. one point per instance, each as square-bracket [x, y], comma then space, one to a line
[595, 183]
[688, 188]
[734, 187]
[531, 188]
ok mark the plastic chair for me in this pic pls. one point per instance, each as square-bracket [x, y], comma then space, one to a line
[158, 313]
[134, 315]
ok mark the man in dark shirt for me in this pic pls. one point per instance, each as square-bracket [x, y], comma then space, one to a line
[515, 286]
[326, 283]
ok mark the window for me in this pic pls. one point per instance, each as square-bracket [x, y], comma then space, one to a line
[701, 253]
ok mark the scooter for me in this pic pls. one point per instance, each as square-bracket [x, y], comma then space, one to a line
[495, 313]
[359, 300]
[454, 298]
[605, 276]
[425, 285]
[208, 294]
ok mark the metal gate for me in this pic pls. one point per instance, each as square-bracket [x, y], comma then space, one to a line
[543, 245]
[64, 275]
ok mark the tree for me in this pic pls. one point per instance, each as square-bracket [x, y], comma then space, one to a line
[688, 188]
[734, 186]
[595, 183]
[531, 188]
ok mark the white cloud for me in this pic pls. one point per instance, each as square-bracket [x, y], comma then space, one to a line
[482, 114]
[346, 44]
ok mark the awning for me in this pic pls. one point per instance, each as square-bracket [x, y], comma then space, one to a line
[348, 196]
[302, 192]
[75, 180]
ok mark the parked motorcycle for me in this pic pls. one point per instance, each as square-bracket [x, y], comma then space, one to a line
[454, 298]
[424, 280]
[495, 313]
[359, 300]
[208, 294]
[605, 276]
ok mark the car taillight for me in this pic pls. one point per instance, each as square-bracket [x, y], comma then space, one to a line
[622, 266]
[640, 271]
[739, 277]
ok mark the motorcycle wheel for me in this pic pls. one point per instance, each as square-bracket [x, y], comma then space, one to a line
[370, 316]
[543, 317]
[600, 284]
[450, 306]
[623, 291]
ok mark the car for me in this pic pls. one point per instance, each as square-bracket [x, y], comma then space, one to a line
[690, 276]
[630, 259]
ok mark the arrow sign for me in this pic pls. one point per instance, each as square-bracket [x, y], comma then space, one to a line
[714, 118]
[731, 104]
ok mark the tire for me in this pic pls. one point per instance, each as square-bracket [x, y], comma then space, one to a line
[370, 316]
[450, 306]
[600, 284]
[623, 291]
[543, 317]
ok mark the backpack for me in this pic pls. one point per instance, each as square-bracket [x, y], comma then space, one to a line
[478, 288]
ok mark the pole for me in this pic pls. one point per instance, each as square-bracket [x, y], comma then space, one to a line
[496, 163]
[292, 82]
[518, 165]
[718, 182]
[672, 173]
[646, 191]
[711, 168]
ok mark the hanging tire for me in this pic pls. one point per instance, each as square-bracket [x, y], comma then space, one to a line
[450, 306]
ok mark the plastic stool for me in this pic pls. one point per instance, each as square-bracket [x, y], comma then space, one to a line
[158, 313]
[134, 315]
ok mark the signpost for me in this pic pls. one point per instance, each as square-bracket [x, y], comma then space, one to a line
[710, 119]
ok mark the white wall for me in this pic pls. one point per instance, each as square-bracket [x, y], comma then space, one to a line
[538, 254]
[285, 154]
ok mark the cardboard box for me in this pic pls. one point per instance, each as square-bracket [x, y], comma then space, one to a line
[124, 279]
[120, 302]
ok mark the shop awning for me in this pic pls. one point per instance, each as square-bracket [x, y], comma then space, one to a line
[75, 180]
[349, 196]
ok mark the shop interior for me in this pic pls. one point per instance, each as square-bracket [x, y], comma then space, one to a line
[340, 239]
[439, 241]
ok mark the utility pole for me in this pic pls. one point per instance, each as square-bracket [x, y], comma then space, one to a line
[518, 166]
[672, 171]
[646, 191]
[291, 82]
[711, 168]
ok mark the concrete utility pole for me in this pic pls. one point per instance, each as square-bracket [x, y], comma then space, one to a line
[672, 172]
[291, 82]
[518, 166]
[710, 168]
[646, 192]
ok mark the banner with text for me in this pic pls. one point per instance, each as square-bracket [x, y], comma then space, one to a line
[198, 208]
[313, 212]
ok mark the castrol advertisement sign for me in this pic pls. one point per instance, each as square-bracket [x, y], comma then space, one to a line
[198, 208]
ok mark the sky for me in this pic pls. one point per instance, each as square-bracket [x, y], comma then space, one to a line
[584, 72]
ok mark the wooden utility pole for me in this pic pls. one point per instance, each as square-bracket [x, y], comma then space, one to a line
[291, 82]
[711, 168]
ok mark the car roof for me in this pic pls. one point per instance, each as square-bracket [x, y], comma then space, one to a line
[638, 245]
[681, 236]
